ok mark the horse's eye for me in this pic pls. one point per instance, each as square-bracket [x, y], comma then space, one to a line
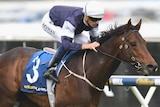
[133, 43]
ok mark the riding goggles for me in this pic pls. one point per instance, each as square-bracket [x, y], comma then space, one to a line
[95, 19]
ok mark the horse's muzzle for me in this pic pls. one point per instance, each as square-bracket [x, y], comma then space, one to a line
[145, 69]
[148, 69]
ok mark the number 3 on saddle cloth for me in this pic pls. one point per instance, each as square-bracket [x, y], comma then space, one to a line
[33, 80]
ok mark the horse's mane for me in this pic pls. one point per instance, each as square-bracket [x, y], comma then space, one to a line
[113, 31]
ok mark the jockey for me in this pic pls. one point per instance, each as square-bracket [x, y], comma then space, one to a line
[66, 24]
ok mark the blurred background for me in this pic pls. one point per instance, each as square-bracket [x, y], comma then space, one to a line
[20, 25]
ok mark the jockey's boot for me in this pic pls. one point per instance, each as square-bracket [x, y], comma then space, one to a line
[51, 70]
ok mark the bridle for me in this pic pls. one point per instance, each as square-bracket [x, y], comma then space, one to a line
[136, 64]
[125, 46]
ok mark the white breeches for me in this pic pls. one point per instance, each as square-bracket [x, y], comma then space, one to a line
[56, 31]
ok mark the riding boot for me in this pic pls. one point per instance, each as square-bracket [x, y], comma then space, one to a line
[51, 70]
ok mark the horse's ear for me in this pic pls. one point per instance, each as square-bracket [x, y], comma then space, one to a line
[138, 25]
[129, 22]
[128, 25]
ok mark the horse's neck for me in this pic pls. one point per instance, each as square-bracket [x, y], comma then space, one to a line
[110, 53]
[101, 65]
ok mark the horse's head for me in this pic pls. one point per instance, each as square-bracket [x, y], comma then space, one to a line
[132, 48]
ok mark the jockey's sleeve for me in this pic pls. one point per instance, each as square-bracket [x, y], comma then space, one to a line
[68, 29]
[67, 37]
[69, 45]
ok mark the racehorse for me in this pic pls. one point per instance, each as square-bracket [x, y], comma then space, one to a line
[90, 70]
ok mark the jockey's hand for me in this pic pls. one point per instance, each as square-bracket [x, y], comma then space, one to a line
[92, 45]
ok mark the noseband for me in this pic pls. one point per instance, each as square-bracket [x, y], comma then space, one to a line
[125, 46]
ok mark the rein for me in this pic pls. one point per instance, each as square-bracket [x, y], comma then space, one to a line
[120, 47]
[136, 64]
[109, 55]
[79, 76]
[106, 54]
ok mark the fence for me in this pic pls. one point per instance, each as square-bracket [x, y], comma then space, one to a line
[133, 82]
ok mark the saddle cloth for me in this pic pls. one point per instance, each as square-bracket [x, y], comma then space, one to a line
[33, 81]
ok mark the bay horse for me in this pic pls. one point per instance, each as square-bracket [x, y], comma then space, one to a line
[90, 70]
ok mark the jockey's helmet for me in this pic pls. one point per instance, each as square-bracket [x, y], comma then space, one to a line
[93, 9]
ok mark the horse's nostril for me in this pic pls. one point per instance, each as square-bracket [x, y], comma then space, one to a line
[152, 67]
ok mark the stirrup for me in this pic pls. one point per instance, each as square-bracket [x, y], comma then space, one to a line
[48, 74]
[54, 78]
